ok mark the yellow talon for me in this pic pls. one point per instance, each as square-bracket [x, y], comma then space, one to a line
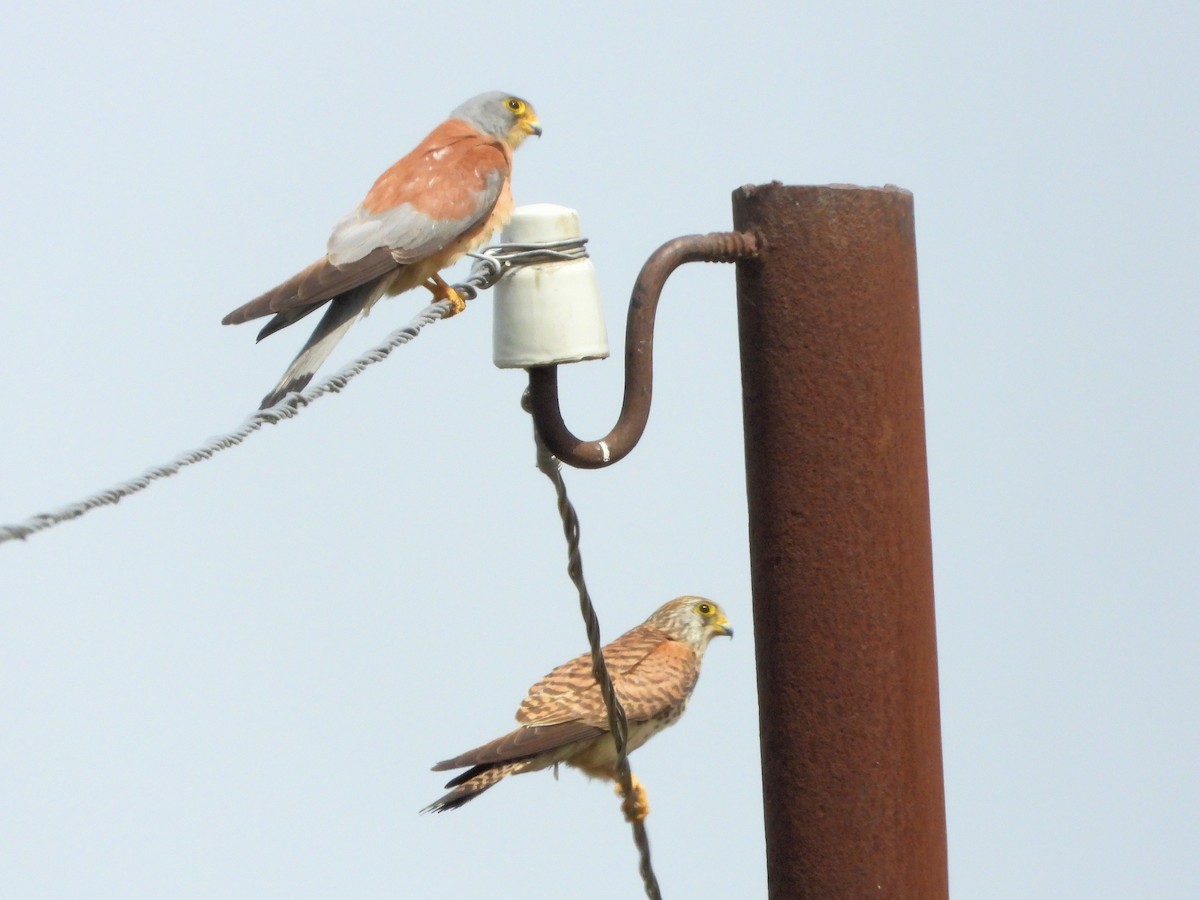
[637, 807]
[443, 291]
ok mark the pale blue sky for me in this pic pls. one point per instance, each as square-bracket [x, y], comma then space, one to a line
[235, 683]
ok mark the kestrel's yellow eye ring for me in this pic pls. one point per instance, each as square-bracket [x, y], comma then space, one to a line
[705, 609]
[515, 106]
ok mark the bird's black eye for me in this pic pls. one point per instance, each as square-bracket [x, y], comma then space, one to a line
[514, 105]
[705, 609]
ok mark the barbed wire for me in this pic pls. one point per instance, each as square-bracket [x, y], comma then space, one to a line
[490, 265]
[549, 465]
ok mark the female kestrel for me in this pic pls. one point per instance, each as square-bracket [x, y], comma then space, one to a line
[654, 669]
[442, 200]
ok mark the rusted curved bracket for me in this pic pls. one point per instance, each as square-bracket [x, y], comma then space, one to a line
[729, 246]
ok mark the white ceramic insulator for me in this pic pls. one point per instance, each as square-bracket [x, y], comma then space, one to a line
[550, 312]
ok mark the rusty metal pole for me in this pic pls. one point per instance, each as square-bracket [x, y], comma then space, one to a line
[840, 553]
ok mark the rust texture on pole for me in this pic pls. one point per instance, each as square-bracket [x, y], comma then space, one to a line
[639, 355]
[840, 554]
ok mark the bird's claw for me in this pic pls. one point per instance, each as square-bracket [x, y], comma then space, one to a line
[637, 807]
[442, 291]
[457, 303]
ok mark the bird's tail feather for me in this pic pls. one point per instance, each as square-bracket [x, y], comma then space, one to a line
[338, 318]
[473, 782]
[282, 320]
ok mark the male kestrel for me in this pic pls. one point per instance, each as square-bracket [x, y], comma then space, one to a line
[654, 668]
[442, 200]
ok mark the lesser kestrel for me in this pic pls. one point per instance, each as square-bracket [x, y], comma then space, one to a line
[654, 668]
[442, 200]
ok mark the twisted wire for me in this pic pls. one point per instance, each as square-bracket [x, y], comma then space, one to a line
[488, 268]
[618, 725]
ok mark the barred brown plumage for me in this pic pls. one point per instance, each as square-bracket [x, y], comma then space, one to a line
[654, 669]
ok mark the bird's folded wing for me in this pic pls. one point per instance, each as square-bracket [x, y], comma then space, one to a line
[522, 743]
[662, 680]
[314, 286]
[436, 195]
[650, 671]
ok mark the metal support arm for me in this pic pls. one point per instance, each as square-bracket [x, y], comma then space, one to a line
[639, 354]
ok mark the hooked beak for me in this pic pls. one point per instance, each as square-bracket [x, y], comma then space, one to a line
[532, 126]
[722, 626]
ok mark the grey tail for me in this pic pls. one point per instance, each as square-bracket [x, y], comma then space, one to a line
[338, 318]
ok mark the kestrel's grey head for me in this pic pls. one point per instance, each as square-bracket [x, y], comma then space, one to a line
[500, 115]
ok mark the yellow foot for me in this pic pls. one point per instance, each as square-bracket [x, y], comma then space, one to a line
[637, 807]
[443, 291]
